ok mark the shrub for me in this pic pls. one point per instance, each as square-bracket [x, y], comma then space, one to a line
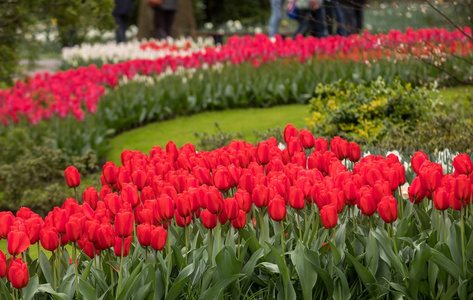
[365, 112]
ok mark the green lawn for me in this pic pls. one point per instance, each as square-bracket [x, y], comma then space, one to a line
[181, 130]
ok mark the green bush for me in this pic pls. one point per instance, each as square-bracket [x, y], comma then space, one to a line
[365, 112]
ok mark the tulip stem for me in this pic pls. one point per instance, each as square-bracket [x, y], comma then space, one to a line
[55, 269]
[444, 227]
[463, 238]
[261, 217]
[146, 254]
[239, 244]
[95, 260]
[299, 225]
[210, 246]
[186, 235]
[281, 226]
[396, 251]
[401, 202]
[112, 275]
[306, 225]
[353, 213]
[75, 268]
[121, 266]
[169, 257]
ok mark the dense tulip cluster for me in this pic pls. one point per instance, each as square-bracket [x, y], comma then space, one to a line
[78, 91]
[183, 187]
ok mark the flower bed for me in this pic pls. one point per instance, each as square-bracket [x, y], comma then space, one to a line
[245, 221]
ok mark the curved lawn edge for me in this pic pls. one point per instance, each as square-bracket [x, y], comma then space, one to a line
[181, 130]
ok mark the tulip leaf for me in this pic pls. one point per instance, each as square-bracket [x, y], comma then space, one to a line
[307, 275]
[46, 288]
[5, 292]
[87, 290]
[216, 290]
[341, 289]
[32, 288]
[272, 268]
[417, 268]
[227, 263]
[46, 268]
[142, 292]
[179, 282]
[68, 282]
[177, 256]
[159, 287]
[249, 267]
[99, 276]
[454, 244]
[86, 272]
[207, 278]
[385, 243]
[364, 274]
[450, 293]
[433, 271]
[132, 282]
[446, 264]
[281, 262]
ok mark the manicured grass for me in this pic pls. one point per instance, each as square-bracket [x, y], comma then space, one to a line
[181, 130]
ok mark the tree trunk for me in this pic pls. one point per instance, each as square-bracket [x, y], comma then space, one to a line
[145, 21]
[184, 22]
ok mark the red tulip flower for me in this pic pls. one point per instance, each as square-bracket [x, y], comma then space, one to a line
[277, 208]
[91, 197]
[158, 238]
[387, 209]
[139, 178]
[244, 200]
[289, 132]
[129, 193]
[416, 191]
[240, 221]
[72, 177]
[124, 224]
[49, 238]
[430, 175]
[440, 198]
[110, 173]
[3, 264]
[260, 196]
[214, 201]
[6, 221]
[296, 198]
[307, 139]
[105, 236]
[165, 208]
[367, 205]
[143, 232]
[126, 242]
[329, 216]
[230, 208]
[18, 241]
[223, 179]
[321, 145]
[18, 273]
[417, 160]
[462, 188]
[462, 164]
[262, 153]
[74, 228]
[209, 220]
[354, 153]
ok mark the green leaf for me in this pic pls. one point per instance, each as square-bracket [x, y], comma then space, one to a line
[446, 264]
[32, 288]
[249, 266]
[215, 291]
[68, 282]
[86, 272]
[46, 268]
[281, 262]
[87, 290]
[159, 287]
[5, 291]
[180, 281]
[417, 268]
[142, 292]
[272, 268]
[385, 243]
[364, 274]
[227, 263]
[342, 289]
[307, 274]
[131, 283]
[46, 288]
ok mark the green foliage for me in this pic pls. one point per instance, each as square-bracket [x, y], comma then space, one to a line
[365, 112]
[208, 142]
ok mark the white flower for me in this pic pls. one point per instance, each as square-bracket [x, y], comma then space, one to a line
[281, 146]
[395, 152]
[404, 190]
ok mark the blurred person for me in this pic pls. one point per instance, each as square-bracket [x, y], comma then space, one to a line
[164, 18]
[120, 14]
[335, 17]
[276, 16]
[305, 9]
[318, 22]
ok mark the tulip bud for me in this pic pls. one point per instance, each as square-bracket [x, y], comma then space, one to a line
[124, 224]
[49, 238]
[240, 221]
[72, 177]
[158, 238]
[462, 164]
[18, 241]
[307, 139]
[126, 242]
[209, 220]
[329, 216]
[18, 273]
[387, 209]
[277, 208]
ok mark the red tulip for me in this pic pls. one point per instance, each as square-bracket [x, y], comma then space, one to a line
[387, 209]
[72, 177]
[260, 196]
[114, 203]
[139, 178]
[355, 153]
[182, 221]
[244, 200]
[6, 221]
[223, 179]
[417, 160]
[441, 199]
[24, 213]
[416, 191]
[289, 132]
[462, 188]
[165, 208]
[33, 227]
[462, 164]
[214, 201]
[143, 232]
[183, 205]
[124, 224]
[430, 175]
[350, 192]
[18, 241]
[231, 209]
[209, 220]
[59, 219]
[126, 242]
[91, 228]
[262, 153]
[277, 208]
[172, 151]
[110, 173]
[74, 228]
[307, 139]
[329, 216]
[129, 193]
[49, 238]
[3, 264]
[240, 221]
[158, 238]
[294, 146]
[296, 198]
[367, 205]
[18, 273]
[91, 197]
[247, 182]
[105, 236]
[321, 145]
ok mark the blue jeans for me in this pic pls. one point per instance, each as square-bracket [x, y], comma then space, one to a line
[276, 16]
